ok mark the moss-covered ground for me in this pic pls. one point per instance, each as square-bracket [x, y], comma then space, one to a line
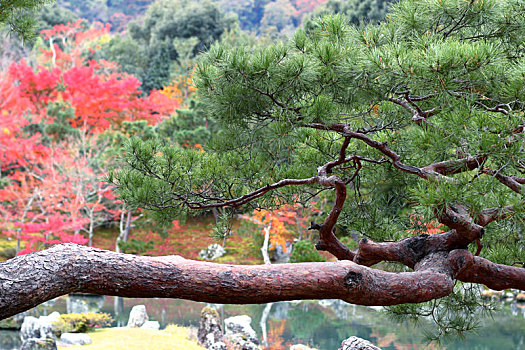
[123, 338]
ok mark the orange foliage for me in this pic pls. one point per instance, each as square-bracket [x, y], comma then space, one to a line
[275, 335]
[419, 227]
[285, 222]
[179, 90]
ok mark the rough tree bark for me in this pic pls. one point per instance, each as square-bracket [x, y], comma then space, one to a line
[26, 281]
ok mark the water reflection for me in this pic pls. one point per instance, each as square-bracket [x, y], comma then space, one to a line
[322, 324]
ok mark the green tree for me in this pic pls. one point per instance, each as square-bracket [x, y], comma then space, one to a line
[149, 50]
[188, 127]
[434, 95]
[249, 12]
[356, 11]
[52, 15]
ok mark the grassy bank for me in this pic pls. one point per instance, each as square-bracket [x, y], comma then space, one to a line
[123, 338]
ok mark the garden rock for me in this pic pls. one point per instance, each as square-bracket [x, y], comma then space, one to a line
[218, 346]
[39, 328]
[241, 325]
[75, 339]
[151, 325]
[301, 347]
[39, 344]
[137, 316]
[209, 334]
[214, 251]
[240, 333]
[54, 316]
[355, 343]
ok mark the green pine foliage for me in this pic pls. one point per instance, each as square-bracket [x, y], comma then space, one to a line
[19, 17]
[262, 99]
[436, 81]
[304, 251]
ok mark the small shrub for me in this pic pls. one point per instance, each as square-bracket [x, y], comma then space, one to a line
[81, 323]
[8, 253]
[304, 251]
[135, 246]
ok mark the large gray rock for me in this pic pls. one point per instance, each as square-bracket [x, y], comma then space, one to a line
[54, 316]
[240, 333]
[151, 325]
[355, 343]
[39, 328]
[241, 325]
[214, 251]
[301, 347]
[75, 339]
[209, 334]
[137, 316]
[39, 344]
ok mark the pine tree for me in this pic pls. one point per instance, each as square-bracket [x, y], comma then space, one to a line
[429, 102]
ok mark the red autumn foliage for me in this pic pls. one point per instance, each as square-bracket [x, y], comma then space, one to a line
[50, 190]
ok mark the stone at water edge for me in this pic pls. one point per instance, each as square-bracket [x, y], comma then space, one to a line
[240, 333]
[214, 251]
[209, 334]
[301, 347]
[355, 343]
[39, 344]
[137, 316]
[241, 325]
[75, 339]
[151, 325]
[39, 328]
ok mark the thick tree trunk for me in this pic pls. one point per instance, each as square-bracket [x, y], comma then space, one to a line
[28, 280]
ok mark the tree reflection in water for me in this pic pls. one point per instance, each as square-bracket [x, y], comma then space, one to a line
[322, 324]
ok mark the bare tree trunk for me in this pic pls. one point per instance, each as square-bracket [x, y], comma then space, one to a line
[91, 227]
[124, 229]
[264, 319]
[264, 248]
[128, 226]
[29, 280]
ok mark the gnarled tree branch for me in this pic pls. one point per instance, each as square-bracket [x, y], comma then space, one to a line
[28, 280]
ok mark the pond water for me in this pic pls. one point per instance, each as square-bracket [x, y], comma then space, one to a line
[321, 324]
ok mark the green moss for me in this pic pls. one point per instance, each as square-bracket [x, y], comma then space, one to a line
[123, 338]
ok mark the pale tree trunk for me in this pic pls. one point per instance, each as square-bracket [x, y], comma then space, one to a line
[264, 319]
[91, 226]
[124, 228]
[29, 280]
[264, 248]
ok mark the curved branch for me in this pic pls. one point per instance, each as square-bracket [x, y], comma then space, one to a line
[236, 202]
[408, 251]
[459, 219]
[456, 166]
[28, 280]
[382, 147]
[327, 238]
[495, 276]
[513, 182]
[493, 214]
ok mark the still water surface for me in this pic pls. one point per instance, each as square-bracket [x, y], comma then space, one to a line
[319, 324]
